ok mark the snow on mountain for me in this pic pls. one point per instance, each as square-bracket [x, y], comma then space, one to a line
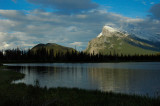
[112, 40]
[132, 31]
[140, 32]
[110, 31]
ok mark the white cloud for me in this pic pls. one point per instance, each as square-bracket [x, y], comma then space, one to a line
[77, 43]
[72, 29]
[4, 45]
[27, 28]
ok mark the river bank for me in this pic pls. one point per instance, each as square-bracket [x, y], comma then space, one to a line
[28, 95]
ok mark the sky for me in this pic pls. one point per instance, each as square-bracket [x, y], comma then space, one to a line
[25, 23]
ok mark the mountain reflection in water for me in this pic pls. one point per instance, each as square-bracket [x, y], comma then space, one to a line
[114, 77]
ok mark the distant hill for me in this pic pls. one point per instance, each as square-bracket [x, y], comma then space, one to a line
[52, 46]
[112, 41]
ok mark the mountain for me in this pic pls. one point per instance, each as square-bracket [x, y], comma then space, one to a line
[52, 46]
[113, 41]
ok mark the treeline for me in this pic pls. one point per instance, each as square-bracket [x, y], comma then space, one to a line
[44, 55]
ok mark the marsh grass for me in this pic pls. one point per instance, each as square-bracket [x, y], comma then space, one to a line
[28, 95]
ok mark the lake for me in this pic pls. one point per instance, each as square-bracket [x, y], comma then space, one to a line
[141, 78]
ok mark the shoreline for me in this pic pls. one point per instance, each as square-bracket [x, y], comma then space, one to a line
[79, 62]
[35, 95]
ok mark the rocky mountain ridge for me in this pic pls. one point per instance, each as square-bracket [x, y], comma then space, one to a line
[113, 41]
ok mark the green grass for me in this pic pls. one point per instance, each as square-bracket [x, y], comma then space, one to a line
[23, 95]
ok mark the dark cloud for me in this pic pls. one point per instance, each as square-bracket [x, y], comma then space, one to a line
[155, 10]
[66, 5]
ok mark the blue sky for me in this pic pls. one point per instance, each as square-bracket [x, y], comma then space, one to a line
[129, 8]
[73, 22]
[16, 5]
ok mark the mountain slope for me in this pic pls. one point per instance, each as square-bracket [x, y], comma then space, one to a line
[112, 41]
[52, 46]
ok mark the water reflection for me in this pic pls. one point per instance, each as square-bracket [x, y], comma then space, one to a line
[104, 77]
[110, 79]
[126, 81]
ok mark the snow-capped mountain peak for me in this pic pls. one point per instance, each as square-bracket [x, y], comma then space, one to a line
[112, 40]
[110, 31]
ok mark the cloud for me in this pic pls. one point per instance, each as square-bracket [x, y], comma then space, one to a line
[155, 11]
[14, 40]
[73, 5]
[77, 43]
[15, 1]
[144, 3]
[27, 28]
[72, 29]
[152, 3]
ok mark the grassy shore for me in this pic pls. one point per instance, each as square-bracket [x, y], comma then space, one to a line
[24, 95]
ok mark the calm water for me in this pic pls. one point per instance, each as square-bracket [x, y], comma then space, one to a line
[131, 78]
